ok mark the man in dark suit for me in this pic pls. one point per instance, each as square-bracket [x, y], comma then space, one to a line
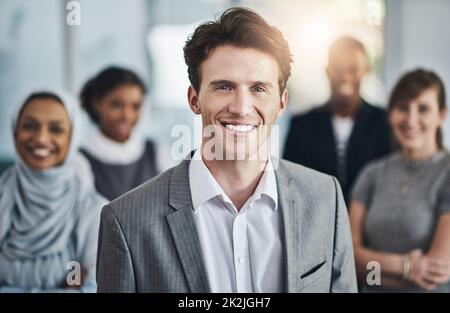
[344, 134]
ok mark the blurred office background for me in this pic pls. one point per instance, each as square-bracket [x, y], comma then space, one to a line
[38, 48]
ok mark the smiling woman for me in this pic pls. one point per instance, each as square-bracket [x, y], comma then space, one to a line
[49, 211]
[400, 211]
[119, 159]
[43, 132]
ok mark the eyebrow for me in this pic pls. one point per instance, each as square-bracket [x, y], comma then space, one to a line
[216, 83]
[266, 84]
[32, 119]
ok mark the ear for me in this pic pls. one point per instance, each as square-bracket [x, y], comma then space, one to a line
[96, 104]
[443, 114]
[327, 71]
[193, 100]
[283, 102]
[368, 66]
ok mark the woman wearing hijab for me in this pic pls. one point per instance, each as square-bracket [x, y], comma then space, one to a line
[49, 213]
[400, 209]
[119, 159]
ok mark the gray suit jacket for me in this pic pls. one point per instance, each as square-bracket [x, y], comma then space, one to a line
[148, 241]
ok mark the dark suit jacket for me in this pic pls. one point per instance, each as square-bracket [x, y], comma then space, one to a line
[311, 141]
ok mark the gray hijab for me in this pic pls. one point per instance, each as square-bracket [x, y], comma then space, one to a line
[39, 209]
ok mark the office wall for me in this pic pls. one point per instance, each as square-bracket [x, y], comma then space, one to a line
[30, 55]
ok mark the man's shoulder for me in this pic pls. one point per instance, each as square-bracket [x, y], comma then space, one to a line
[306, 177]
[318, 192]
[153, 193]
[375, 112]
[296, 169]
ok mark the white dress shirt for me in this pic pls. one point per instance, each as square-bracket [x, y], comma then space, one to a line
[342, 129]
[243, 251]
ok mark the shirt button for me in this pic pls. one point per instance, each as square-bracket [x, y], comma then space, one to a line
[241, 259]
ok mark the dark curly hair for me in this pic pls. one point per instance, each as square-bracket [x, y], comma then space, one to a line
[103, 83]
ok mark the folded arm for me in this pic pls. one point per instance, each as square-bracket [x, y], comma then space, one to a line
[427, 270]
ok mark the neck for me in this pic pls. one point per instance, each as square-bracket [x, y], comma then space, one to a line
[345, 108]
[237, 178]
[419, 155]
[105, 134]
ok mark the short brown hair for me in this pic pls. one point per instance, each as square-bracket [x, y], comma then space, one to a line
[411, 85]
[240, 27]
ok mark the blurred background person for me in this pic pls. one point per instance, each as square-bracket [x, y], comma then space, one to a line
[341, 136]
[49, 213]
[400, 209]
[120, 160]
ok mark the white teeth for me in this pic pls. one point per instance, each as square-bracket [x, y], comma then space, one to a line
[41, 152]
[240, 128]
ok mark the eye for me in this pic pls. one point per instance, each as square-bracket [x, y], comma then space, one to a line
[29, 126]
[55, 129]
[136, 107]
[423, 108]
[115, 104]
[403, 107]
[223, 87]
[258, 89]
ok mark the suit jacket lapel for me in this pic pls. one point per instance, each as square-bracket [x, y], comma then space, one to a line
[184, 231]
[292, 211]
[358, 133]
[357, 138]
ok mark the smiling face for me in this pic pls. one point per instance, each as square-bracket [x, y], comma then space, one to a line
[239, 99]
[119, 111]
[416, 122]
[345, 72]
[43, 133]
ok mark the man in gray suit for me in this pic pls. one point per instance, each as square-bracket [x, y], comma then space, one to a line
[232, 218]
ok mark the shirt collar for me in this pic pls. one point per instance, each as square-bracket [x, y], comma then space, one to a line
[204, 186]
[267, 186]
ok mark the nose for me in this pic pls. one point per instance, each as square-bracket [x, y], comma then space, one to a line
[241, 104]
[412, 117]
[346, 76]
[128, 115]
[42, 137]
